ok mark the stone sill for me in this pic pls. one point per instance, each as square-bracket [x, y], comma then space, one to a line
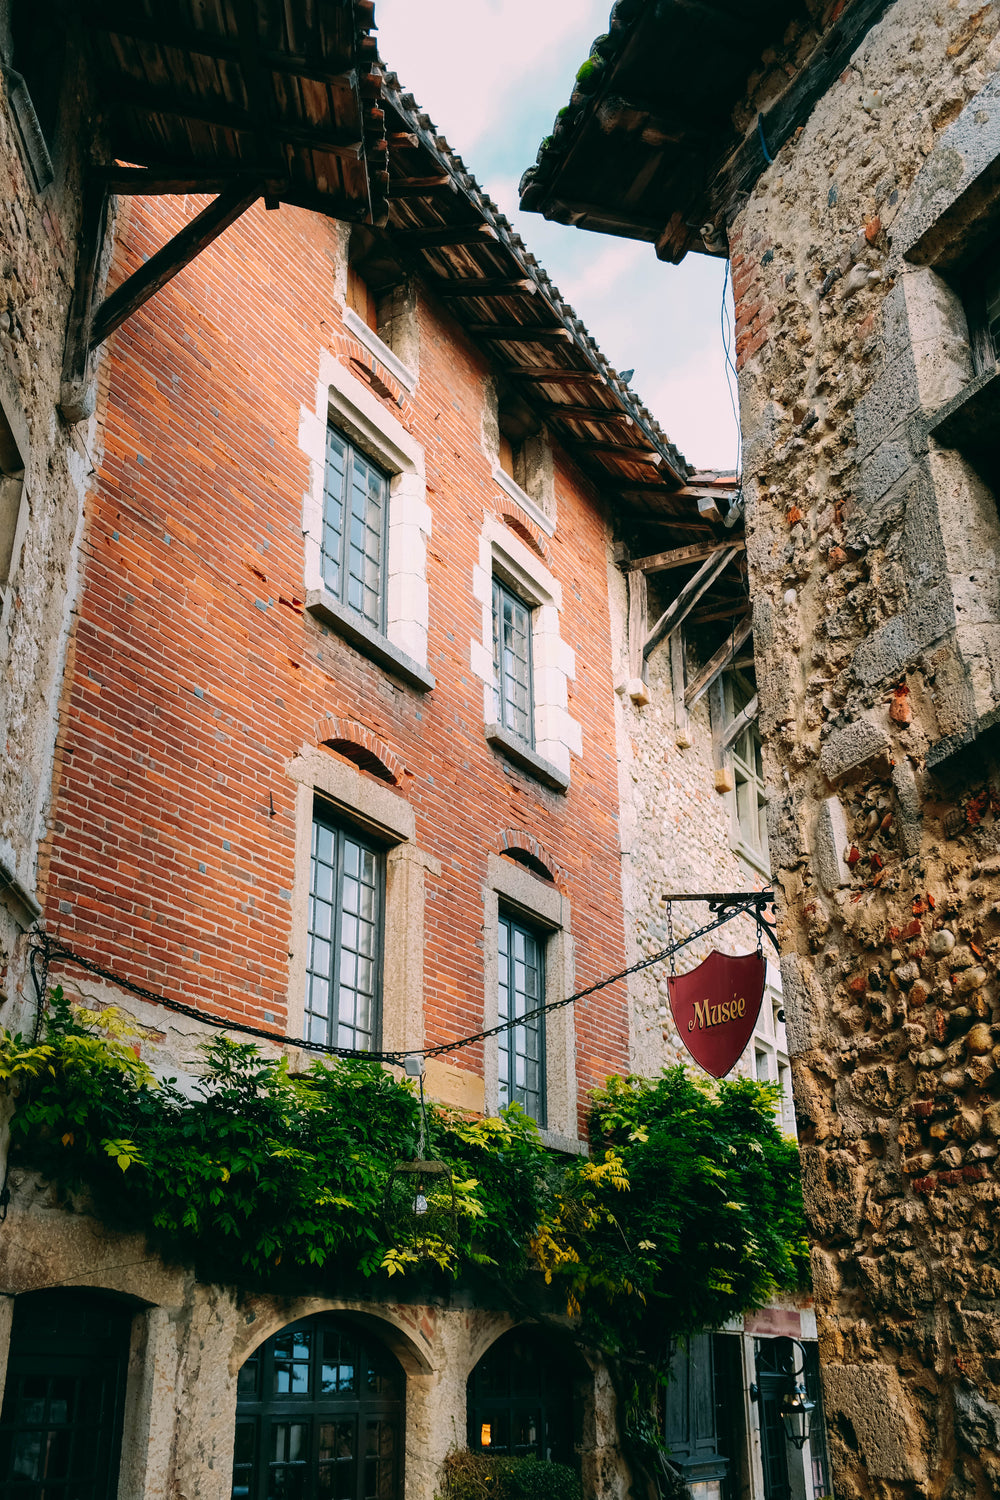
[566, 1145]
[369, 641]
[752, 858]
[371, 341]
[970, 419]
[522, 755]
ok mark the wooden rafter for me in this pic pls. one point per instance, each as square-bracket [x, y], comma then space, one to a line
[488, 286]
[679, 557]
[677, 612]
[736, 726]
[556, 409]
[717, 663]
[171, 258]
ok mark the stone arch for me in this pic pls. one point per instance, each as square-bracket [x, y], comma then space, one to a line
[359, 745]
[387, 1324]
[574, 1405]
[513, 516]
[524, 849]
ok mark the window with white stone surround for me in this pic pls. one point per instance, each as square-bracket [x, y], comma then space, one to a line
[349, 407]
[504, 557]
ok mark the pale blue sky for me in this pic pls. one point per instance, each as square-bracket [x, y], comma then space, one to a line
[492, 74]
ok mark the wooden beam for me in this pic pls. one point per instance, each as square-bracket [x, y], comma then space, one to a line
[555, 374]
[433, 236]
[676, 613]
[618, 450]
[148, 100]
[520, 333]
[736, 726]
[173, 257]
[741, 169]
[679, 557]
[682, 725]
[75, 396]
[488, 286]
[735, 611]
[586, 413]
[637, 621]
[212, 44]
[151, 181]
[718, 663]
[419, 187]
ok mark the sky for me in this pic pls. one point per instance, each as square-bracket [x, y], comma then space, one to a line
[492, 74]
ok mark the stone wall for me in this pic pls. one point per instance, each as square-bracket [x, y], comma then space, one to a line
[873, 541]
[46, 462]
[677, 834]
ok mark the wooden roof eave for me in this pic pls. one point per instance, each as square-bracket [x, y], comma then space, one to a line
[545, 322]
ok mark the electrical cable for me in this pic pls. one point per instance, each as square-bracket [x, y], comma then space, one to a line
[50, 948]
[731, 376]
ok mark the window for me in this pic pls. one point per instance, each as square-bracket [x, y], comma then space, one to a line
[63, 1403]
[355, 515]
[512, 662]
[982, 306]
[344, 960]
[749, 795]
[520, 1398]
[521, 989]
[319, 1412]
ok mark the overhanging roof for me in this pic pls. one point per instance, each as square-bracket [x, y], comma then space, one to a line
[448, 231]
[657, 142]
[197, 93]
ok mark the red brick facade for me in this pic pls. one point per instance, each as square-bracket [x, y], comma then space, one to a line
[197, 675]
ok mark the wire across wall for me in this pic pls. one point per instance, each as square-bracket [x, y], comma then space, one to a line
[45, 950]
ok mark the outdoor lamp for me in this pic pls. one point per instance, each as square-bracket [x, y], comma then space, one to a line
[796, 1414]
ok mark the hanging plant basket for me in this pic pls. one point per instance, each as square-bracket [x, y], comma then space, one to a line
[419, 1210]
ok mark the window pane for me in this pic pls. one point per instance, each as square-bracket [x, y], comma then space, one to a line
[354, 513]
[345, 920]
[512, 662]
[521, 1049]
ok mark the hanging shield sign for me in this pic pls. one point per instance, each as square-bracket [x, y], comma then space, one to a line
[715, 1008]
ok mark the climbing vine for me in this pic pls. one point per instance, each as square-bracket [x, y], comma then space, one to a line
[687, 1211]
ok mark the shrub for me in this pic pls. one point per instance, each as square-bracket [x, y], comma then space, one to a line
[485, 1476]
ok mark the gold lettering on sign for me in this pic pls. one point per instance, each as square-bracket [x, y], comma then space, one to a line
[706, 1015]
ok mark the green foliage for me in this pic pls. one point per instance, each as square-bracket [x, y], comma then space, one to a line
[687, 1212]
[483, 1476]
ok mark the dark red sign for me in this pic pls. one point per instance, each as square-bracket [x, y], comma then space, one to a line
[716, 1006]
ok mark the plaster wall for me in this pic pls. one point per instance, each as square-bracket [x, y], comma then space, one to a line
[873, 546]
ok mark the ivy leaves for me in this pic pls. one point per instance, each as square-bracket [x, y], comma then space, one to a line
[687, 1211]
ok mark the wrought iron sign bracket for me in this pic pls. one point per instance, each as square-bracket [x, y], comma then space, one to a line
[729, 904]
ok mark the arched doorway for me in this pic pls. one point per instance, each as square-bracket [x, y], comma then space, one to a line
[63, 1402]
[520, 1398]
[319, 1416]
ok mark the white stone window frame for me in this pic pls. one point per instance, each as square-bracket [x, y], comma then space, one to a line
[544, 909]
[354, 410]
[358, 328]
[382, 813]
[725, 734]
[769, 1041]
[521, 498]
[557, 734]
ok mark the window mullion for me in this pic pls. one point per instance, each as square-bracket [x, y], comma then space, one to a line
[333, 1022]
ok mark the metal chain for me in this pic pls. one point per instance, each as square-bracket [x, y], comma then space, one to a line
[670, 938]
[50, 948]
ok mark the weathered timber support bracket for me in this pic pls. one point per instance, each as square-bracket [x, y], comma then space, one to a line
[89, 324]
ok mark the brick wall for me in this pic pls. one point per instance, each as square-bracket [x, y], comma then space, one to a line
[197, 676]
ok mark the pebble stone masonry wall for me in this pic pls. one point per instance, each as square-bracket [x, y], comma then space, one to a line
[873, 547]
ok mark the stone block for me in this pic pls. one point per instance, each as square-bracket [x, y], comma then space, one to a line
[805, 1004]
[892, 395]
[888, 651]
[455, 1086]
[872, 1398]
[856, 749]
[831, 840]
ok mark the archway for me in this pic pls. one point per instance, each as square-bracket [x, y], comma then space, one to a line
[64, 1398]
[319, 1415]
[520, 1398]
